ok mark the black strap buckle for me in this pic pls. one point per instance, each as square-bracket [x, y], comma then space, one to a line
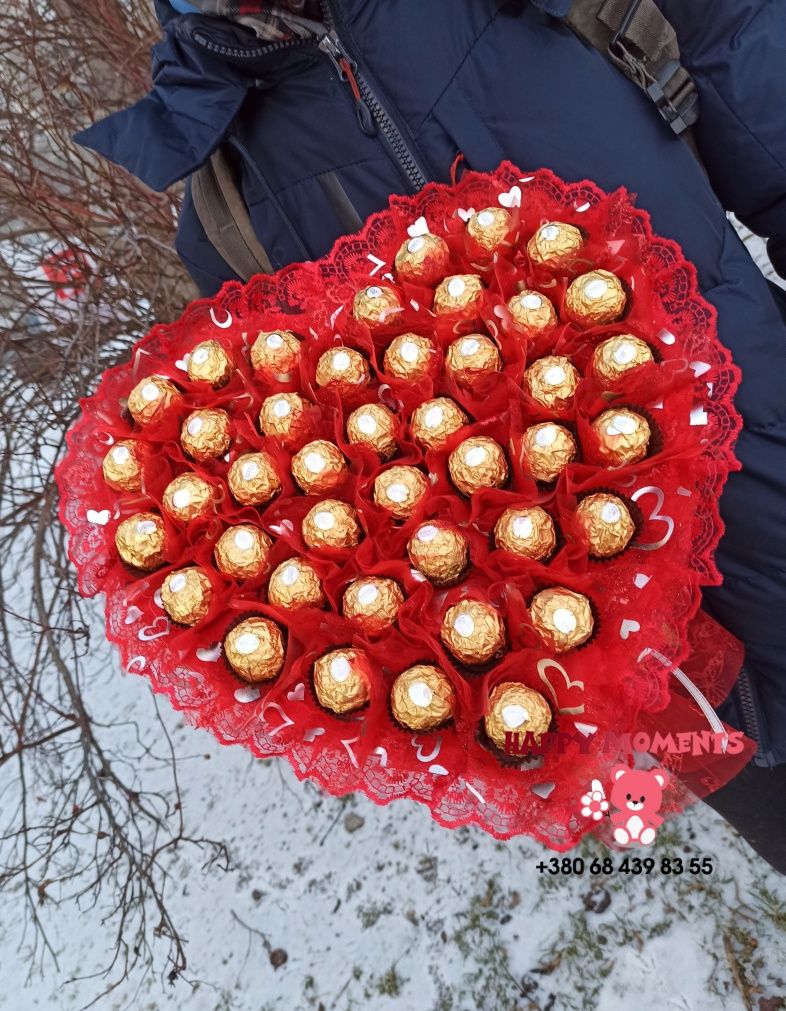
[681, 110]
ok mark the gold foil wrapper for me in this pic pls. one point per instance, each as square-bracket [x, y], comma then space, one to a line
[255, 649]
[532, 313]
[151, 398]
[206, 433]
[623, 436]
[618, 355]
[555, 244]
[438, 550]
[410, 357]
[422, 698]
[563, 619]
[241, 551]
[372, 603]
[514, 708]
[552, 382]
[342, 367]
[341, 680]
[331, 524]
[608, 525]
[548, 449]
[372, 425]
[319, 467]
[459, 295]
[295, 583]
[122, 466]
[470, 358]
[434, 421]
[282, 416]
[527, 531]
[186, 595]
[489, 227]
[209, 363]
[473, 632]
[187, 497]
[423, 259]
[478, 463]
[377, 306]
[596, 298]
[141, 541]
[253, 479]
[399, 490]
[275, 354]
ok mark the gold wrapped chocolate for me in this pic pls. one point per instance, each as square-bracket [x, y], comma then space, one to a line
[372, 602]
[532, 313]
[372, 425]
[141, 541]
[341, 680]
[470, 358]
[459, 295]
[552, 382]
[563, 619]
[555, 244]
[151, 398]
[319, 467]
[295, 583]
[473, 632]
[281, 416]
[399, 490]
[255, 649]
[410, 357]
[488, 228]
[186, 595]
[206, 433]
[478, 462]
[438, 550]
[331, 524]
[423, 259]
[241, 551]
[623, 436]
[253, 479]
[548, 449]
[275, 354]
[608, 525]
[422, 698]
[209, 363]
[377, 306]
[596, 298]
[618, 355]
[527, 531]
[187, 497]
[122, 466]
[514, 708]
[342, 367]
[434, 421]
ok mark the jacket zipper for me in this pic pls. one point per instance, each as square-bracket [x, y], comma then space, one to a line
[749, 716]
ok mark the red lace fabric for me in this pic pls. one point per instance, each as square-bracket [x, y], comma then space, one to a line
[646, 599]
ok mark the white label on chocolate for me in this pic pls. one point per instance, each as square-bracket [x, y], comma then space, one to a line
[120, 454]
[249, 470]
[374, 291]
[150, 392]
[324, 520]
[244, 540]
[247, 643]
[367, 594]
[456, 287]
[415, 245]
[289, 575]
[564, 620]
[200, 356]
[469, 346]
[315, 462]
[555, 376]
[420, 694]
[434, 417]
[485, 218]
[340, 669]
[145, 527]
[595, 289]
[281, 408]
[366, 424]
[514, 716]
[476, 456]
[274, 341]
[398, 493]
[531, 300]
[177, 582]
[621, 424]
[624, 353]
[523, 527]
[610, 513]
[464, 625]
[427, 533]
[195, 425]
[546, 436]
[182, 498]
[550, 232]
[409, 351]
[341, 361]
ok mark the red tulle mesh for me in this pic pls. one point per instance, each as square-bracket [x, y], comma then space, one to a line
[646, 599]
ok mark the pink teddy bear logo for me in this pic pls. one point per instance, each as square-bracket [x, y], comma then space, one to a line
[637, 796]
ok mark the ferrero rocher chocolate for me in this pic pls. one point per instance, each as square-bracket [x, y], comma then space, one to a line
[342, 367]
[151, 398]
[275, 354]
[435, 421]
[423, 259]
[548, 449]
[209, 363]
[422, 698]
[473, 631]
[241, 551]
[563, 619]
[372, 425]
[527, 531]
[187, 497]
[186, 594]
[438, 550]
[281, 415]
[608, 525]
[372, 602]
[295, 583]
[596, 298]
[206, 433]
[488, 228]
[319, 467]
[555, 244]
[122, 466]
[399, 490]
[141, 541]
[459, 295]
[514, 708]
[618, 355]
[623, 436]
[532, 313]
[255, 649]
[331, 524]
[377, 306]
[410, 357]
[552, 382]
[341, 680]
[478, 463]
[470, 358]
[253, 479]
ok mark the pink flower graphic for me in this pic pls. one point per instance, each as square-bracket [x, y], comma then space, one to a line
[594, 803]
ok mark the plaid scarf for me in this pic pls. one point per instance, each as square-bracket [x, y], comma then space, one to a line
[275, 22]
